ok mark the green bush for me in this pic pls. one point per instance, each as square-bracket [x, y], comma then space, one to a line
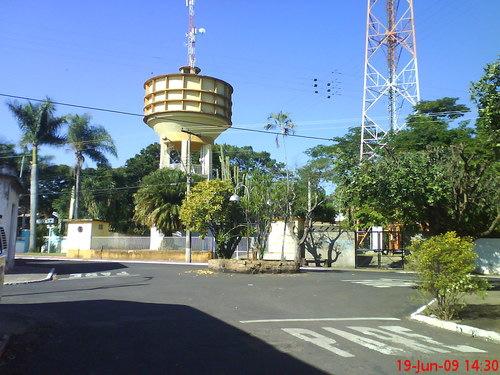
[208, 209]
[444, 265]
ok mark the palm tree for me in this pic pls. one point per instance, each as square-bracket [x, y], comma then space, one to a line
[281, 121]
[87, 141]
[39, 127]
[159, 198]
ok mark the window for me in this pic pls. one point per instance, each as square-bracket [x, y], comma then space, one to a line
[3, 241]
[100, 226]
[80, 229]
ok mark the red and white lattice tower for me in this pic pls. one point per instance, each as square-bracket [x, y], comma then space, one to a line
[391, 86]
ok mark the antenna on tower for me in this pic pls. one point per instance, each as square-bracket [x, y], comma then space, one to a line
[391, 83]
[191, 34]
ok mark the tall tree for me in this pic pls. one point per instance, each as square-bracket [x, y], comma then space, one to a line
[39, 126]
[486, 94]
[87, 141]
[282, 122]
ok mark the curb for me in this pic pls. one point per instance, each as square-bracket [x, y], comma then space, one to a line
[4, 340]
[49, 277]
[452, 326]
[331, 269]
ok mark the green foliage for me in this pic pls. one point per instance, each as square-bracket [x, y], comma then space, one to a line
[433, 176]
[159, 198]
[444, 265]
[430, 126]
[439, 189]
[336, 162]
[89, 141]
[208, 209]
[486, 94]
[263, 201]
[247, 159]
[9, 156]
[38, 123]
[281, 122]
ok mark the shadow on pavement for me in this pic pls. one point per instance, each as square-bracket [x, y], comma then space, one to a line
[107, 337]
[66, 267]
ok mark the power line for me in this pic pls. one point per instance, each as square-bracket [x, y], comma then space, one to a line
[183, 121]
[240, 128]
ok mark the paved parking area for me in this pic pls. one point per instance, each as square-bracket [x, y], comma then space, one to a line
[103, 318]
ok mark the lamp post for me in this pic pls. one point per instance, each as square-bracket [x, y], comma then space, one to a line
[236, 198]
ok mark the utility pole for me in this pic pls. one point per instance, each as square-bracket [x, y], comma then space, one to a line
[391, 84]
[188, 190]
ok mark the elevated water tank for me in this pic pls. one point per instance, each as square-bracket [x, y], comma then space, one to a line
[187, 105]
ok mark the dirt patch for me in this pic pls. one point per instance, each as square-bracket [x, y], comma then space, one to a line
[482, 316]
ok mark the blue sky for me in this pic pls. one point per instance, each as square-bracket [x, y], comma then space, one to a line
[99, 53]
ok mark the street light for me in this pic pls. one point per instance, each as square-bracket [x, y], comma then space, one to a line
[236, 198]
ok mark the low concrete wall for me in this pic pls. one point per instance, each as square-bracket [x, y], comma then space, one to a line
[172, 256]
[488, 255]
[253, 266]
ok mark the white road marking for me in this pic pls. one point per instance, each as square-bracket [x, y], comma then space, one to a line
[383, 283]
[314, 320]
[408, 332]
[96, 275]
[366, 342]
[397, 339]
[398, 335]
[317, 339]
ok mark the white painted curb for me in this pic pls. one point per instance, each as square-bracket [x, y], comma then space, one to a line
[452, 326]
[49, 277]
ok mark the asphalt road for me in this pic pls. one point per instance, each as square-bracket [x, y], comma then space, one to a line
[107, 318]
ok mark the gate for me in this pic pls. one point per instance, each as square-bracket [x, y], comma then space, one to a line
[377, 248]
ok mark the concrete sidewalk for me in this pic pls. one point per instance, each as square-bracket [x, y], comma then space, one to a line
[25, 274]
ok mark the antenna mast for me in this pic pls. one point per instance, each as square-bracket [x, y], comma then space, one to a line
[391, 83]
[191, 34]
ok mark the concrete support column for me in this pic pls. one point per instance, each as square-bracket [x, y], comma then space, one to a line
[206, 157]
[185, 154]
[164, 153]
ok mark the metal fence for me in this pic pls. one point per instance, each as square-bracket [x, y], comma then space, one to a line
[179, 243]
[120, 243]
[55, 244]
[206, 244]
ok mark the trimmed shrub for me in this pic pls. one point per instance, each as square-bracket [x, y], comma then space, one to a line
[444, 265]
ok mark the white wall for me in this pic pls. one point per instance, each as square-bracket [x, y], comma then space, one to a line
[345, 243]
[9, 202]
[488, 251]
[78, 240]
[275, 241]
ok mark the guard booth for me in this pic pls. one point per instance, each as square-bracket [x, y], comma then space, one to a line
[380, 247]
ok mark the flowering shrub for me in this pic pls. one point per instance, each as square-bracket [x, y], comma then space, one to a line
[444, 265]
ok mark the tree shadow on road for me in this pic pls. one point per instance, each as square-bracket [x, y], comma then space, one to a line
[107, 337]
[66, 267]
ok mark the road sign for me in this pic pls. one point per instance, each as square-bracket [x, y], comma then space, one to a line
[48, 221]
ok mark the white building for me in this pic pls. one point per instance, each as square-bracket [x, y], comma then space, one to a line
[10, 189]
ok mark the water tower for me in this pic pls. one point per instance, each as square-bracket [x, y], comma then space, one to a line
[187, 110]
